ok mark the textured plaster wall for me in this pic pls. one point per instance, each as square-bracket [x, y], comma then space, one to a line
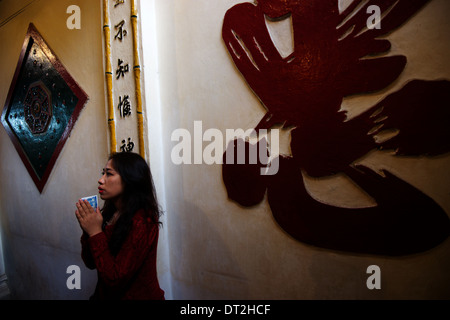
[218, 249]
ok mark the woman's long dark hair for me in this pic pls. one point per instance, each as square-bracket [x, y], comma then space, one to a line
[138, 193]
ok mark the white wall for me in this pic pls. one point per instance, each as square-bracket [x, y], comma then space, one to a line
[153, 112]
[39, 230]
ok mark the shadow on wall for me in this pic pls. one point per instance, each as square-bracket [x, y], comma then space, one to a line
[351, 274]
[49, 280]
[203, 266]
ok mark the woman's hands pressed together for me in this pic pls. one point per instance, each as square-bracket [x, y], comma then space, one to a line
[90, 220]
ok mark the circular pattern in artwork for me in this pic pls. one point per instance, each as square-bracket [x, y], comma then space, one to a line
[38, 108]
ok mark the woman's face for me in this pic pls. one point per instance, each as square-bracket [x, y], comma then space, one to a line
[110, 184]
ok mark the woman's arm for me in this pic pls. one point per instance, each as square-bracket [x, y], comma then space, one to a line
[117, 270]
[86, 252]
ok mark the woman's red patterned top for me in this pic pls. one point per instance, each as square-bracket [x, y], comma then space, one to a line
[131, 274]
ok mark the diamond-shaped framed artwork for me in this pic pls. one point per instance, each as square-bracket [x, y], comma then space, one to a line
[41, 108]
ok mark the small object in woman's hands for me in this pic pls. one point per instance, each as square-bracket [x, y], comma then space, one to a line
[92, 201]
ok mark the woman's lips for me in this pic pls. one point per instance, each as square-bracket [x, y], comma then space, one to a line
[100, 190]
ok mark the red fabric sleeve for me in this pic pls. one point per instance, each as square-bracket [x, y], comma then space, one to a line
[86, 252]
[117, 270]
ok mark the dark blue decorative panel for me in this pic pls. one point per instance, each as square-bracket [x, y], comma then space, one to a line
[42, 106]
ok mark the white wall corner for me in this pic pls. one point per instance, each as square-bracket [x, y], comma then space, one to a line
[154, 141]
[4, 289]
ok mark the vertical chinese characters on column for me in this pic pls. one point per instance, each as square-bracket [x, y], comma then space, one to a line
[122, 55]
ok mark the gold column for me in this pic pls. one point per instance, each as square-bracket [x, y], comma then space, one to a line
[108, 76]
[137, 78]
